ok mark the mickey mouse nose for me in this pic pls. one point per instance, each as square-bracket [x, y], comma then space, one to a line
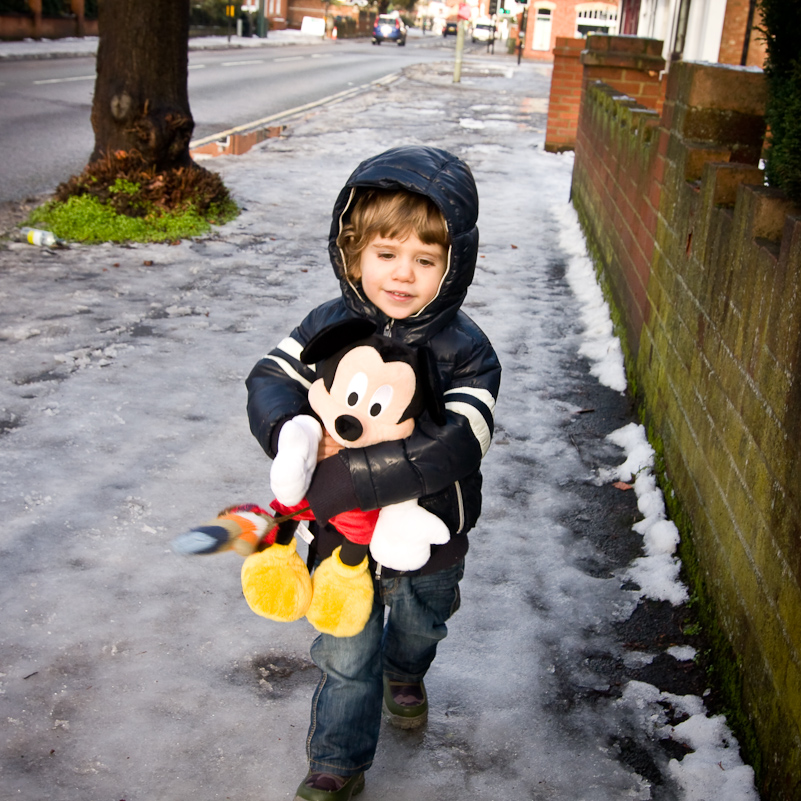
[348, 427]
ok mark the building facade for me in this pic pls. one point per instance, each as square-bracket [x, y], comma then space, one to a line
[545, 20]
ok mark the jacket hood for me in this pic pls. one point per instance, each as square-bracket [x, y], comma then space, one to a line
[448, 182]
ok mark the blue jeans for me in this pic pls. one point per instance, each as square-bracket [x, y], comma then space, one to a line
[346, 708]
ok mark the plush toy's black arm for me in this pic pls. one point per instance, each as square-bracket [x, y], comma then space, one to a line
[331, 491]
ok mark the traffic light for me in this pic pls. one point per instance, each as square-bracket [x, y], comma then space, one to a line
[493, 7]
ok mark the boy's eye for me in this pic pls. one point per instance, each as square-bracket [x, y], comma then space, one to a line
[382, 397]
[357, 387]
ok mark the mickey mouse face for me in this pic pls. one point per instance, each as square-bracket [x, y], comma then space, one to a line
[367, 400]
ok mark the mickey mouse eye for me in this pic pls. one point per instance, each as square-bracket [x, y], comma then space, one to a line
[356, 389]
[382, 397]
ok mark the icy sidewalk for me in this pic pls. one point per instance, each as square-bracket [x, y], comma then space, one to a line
[131, 673]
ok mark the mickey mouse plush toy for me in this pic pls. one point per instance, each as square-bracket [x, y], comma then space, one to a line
[370, 389]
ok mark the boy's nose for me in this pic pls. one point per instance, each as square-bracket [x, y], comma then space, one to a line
[403, 270]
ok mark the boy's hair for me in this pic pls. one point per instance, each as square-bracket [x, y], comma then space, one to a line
[391, 213]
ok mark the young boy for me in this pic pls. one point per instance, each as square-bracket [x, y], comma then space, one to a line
[403, 244]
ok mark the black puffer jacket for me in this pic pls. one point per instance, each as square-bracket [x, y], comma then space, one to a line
[439, 465]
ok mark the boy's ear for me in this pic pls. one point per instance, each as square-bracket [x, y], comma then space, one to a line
[428, 374]
[334, 338]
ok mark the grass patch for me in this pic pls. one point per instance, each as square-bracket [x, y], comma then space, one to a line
[121, 199]
[87, 219]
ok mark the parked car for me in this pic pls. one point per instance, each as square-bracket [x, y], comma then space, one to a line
[451, 28]
[484, 32]
[389, 28]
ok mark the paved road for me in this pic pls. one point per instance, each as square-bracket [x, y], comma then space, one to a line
[46, 104]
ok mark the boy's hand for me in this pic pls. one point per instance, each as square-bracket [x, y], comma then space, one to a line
[328, 447]
[293, 466]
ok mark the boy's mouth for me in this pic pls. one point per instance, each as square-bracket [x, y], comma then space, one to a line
[399, 295]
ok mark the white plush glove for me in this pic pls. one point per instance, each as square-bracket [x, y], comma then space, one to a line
[296, 459]
[404, 534]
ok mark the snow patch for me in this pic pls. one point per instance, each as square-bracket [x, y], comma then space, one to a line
[601, 346]
[714, 770]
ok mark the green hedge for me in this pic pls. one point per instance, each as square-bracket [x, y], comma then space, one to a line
[50, 8]
[782, 31]
[14, 7]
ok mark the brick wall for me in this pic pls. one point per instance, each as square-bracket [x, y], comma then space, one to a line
[26, 26]
[702, 265]
[630, 65]
[299, 9]
[616, 186]
[735, 29]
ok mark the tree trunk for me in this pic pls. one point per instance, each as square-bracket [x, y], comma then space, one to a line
[141, 104]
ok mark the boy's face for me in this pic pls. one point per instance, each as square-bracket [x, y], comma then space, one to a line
[401, 276]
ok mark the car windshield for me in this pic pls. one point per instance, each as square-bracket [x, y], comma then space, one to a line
[385, 20]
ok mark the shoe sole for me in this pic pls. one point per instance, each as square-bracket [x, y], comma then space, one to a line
[404, 722]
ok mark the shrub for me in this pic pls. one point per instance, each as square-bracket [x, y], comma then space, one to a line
[782, 31]
[14, 7]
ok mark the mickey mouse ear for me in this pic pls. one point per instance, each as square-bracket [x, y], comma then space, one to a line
[334, 338]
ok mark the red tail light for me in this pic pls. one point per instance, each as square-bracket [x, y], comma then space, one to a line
[397, 23]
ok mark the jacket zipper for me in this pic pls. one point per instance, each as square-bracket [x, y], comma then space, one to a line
[388, 328]
[460, 502]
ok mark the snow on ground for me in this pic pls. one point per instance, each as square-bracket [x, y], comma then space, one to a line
[87, 45]
[131, 673]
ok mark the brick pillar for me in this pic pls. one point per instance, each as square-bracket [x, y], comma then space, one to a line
[628, 64]
[77, 7]
[713, 114]
[36, 8]
[565, 99]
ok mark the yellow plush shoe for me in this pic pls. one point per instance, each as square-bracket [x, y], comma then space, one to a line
[276, 583]
[343, 597]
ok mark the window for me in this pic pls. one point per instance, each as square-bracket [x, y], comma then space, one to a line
[680, 30]
[596, 18]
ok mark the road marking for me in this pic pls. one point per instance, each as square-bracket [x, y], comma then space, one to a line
[248, 126]
[322, 55]
[240, 63]
[290, 58]
[197, 67]
[67, 80]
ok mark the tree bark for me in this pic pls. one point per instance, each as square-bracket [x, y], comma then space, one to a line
[141, 103]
